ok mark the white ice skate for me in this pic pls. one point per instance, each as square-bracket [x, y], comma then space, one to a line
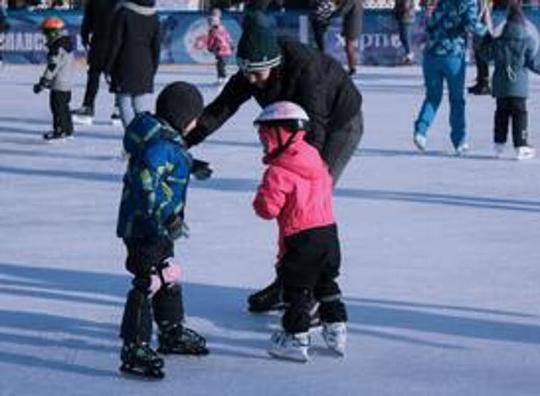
[420, 142]
[525, 153]
[288, 346]
[335, 336]
[462, 149]
[499, 149]
[82, 119]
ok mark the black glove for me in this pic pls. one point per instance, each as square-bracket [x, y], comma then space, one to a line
[201, 169]
[37, 88]
[176, 227]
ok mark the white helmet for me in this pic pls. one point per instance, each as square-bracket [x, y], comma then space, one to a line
[284, 112]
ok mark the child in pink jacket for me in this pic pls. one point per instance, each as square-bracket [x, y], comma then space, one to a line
[297, 190]
[219, 43]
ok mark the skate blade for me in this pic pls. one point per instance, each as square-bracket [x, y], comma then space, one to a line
[116, 122]
[82, 120]
[184, 352]
[149, 375]
[292, 356]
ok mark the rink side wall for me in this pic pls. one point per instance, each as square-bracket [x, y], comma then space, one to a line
[184, 35]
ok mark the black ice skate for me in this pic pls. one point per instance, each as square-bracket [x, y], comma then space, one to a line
[56, 135]
[268, 299]
[83, 115]
[141, 360]
[178, 339]
[479, 89]
[115, 117]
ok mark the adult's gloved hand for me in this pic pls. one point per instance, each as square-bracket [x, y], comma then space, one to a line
[37, 88]
[201, 169]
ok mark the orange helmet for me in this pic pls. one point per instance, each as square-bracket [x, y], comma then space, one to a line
[52, 23]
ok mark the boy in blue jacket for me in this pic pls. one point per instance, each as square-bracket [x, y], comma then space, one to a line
[151, 217]
[513, 53]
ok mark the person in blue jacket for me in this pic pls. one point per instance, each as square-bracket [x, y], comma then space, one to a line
[151, 217]
[514, 54]
[444, 59]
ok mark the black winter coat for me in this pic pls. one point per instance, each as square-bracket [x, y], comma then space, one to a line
[96, 29]
[133, 56]
[307, 77]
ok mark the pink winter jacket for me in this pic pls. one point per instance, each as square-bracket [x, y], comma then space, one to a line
[297, 189]
[219, 41]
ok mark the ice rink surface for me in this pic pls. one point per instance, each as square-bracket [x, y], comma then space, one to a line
[441, 256]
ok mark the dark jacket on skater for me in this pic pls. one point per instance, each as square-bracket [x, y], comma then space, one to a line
[133, 56]
[96, 30]
[513, 53]
[305, 76]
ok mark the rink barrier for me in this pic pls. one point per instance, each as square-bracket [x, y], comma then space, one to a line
[184, 35]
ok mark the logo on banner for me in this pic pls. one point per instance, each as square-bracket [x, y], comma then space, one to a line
[195, 41]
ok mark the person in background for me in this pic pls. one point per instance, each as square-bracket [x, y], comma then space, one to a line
[4, 27]
[481, 87]
[58, 77]
[447, 26]
[133, 56]
[405, 13]
[352, 12]
[95, 32]
[219, 43]
[514, 54]
[320, 16]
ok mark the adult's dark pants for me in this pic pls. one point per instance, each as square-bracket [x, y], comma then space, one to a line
[59, 104]
[482, 67]
[319, 30]
[145, 256]
[221, 66]
[308, 273]
[340, 145]
[514, 109]
[92, 86]
[405, 34]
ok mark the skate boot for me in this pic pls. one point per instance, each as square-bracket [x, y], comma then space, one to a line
[335, 336]
[141, 360]
[55, 136]
[462, 149]
[178, 339]
[479, 89]
[289, 346]
[420, 142]
[115, 117]
[83, 115]
[499, 149]
[268, 299]
[525, 153]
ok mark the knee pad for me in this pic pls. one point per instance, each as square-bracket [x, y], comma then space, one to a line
[166, 276]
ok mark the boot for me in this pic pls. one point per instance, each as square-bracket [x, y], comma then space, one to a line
[480, 88]
[335, 336]
[178, 339]
[141, 360]
[290, 346]
[268, 299]
[83, 115]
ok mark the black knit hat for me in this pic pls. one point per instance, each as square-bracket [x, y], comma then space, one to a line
[258, 47]
[179, 103]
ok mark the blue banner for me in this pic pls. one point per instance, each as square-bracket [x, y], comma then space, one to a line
[184, 35]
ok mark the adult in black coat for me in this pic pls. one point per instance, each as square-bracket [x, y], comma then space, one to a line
[95, 32]
[133, 56]
[274, 69]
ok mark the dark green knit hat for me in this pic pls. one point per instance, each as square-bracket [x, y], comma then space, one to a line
[258, 47]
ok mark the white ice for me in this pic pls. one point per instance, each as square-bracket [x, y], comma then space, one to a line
[441, 256]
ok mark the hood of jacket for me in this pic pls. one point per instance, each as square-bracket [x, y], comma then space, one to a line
[299, 157]
[144, 130]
